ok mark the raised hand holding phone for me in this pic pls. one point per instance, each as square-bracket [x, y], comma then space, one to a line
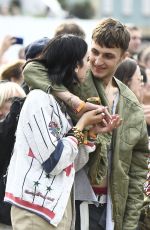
[17, 40]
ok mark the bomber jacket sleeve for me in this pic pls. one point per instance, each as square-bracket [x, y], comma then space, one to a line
[137, 177]
[44, 127]
[36, 77]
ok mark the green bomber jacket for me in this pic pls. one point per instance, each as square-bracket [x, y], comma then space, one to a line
[129, 144]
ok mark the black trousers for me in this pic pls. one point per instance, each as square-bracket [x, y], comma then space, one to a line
[97, 216]
[4, 207]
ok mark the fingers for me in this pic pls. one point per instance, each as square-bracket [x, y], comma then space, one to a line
[109, 127]
[107, 112]
[105, 123]
[99, 111]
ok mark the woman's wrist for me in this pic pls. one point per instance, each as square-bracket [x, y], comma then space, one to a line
[77, 133]
[80, 124]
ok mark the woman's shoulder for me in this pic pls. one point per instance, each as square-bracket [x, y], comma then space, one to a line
[33, 66]
[33, 63]
[38, 97]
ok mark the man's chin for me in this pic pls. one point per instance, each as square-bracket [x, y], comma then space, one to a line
[97, 75]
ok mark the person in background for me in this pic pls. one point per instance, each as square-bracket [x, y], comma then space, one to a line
[69, 27]
[146, 57]
[135, 41]
[11, 98]
[146, 62]
[117, 169]
[13, 71]
[35, 48]
[5, 44]
[21, 53]
[129, 73]
[145, 212]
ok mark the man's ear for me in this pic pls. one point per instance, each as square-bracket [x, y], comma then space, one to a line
[125, 55]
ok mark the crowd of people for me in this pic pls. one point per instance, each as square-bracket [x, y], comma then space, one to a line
[74, 131]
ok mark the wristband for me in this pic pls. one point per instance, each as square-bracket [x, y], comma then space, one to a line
[80, 107]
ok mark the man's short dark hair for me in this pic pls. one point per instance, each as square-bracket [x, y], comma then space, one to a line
[70, 28]
[111, 33]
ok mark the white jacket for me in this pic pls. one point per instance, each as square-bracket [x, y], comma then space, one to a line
[41, 172]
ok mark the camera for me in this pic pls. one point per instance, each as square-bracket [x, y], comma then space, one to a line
[18, 40]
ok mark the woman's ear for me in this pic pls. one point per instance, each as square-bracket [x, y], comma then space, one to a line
[76, 69]
[128, 83]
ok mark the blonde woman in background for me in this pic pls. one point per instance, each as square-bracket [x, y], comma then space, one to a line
[11, 99]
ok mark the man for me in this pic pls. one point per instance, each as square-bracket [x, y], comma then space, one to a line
[5, 44]
[116, 174]
[135, 41]
[69, 27]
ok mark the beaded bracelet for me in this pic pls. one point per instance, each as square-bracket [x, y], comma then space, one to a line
[77, 133]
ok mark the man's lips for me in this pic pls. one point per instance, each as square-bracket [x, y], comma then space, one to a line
[99, 69]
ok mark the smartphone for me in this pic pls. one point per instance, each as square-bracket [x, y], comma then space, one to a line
[19, 40]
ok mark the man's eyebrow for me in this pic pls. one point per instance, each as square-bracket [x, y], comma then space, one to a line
[94, 49]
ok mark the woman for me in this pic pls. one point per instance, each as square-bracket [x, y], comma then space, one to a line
[11, 97]
[13, 71]
[41, 171]
[129, 73]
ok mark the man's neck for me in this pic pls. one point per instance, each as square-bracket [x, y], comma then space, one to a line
[110, 90]
[107, 84]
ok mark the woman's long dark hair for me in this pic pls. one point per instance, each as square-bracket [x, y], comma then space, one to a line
[126, 70]
[61, 56]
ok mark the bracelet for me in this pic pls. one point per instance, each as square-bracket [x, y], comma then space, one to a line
[92, 136]
[89, 136]
[80, 107]
[77, 133]
[94, 100]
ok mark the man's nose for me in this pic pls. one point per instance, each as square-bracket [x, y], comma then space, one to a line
[99, 60]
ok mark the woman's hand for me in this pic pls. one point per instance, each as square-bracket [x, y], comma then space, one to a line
[90, 106]
[91, 118]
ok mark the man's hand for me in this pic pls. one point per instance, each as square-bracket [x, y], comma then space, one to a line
[89, 118]
[114, 123]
